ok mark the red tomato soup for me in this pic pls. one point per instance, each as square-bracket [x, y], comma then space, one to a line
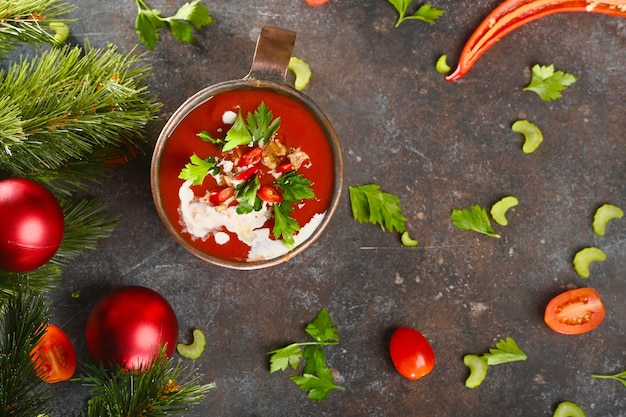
[298, 129]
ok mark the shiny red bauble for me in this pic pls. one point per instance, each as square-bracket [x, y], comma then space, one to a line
[31, 225]
[129, 326]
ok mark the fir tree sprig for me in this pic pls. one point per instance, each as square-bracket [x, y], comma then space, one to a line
[31, 22]
[69, 103]
[22, 393]
[164, 389]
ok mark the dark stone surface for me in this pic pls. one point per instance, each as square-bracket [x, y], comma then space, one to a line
[437, 146]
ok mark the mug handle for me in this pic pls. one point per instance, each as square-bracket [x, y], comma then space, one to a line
[272, 54]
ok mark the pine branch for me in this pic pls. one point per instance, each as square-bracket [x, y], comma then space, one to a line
[71, 104]
[161, 390]
[21, 391]
[31, 21]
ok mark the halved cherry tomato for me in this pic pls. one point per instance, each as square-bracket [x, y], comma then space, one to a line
[54, 357]
[269, 194]
[251, 157]
[575, 311]
[220, 195]
[316, 2]
[411, 353]
[286, 167]
[247, 174]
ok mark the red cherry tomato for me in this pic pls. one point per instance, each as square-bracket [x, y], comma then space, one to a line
[53, 357]
[269, 194]
[129, 326]
[32, 225]
[251, 157]
[411, 353]
[220, 195]
[575, 311]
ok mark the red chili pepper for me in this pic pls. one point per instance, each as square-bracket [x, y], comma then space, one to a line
[251, 157]
[247, 174]
[269, 194]
[220, 195]
[512, 14]
[286, 167]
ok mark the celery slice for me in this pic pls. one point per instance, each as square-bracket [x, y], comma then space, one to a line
[499, 209]
[603, 215]
[301, 70]
[568, 409]
[407, 240]
[532, 135]
[195, 349]
[478, 370]
[442, 66]
[584, 257]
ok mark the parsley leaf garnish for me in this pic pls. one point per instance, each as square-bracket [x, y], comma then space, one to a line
[475, 219]
[426, 12]
[198, 169]
[149, 21]
[619, 377]
[371, 205]
[548, 83]
[506, 351]
[247, 196]
[294, 188]
[237, 135]
[317, 377]
[204, 135]
[285, 226]
[261, 125]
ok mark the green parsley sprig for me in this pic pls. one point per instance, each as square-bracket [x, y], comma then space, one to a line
[316, 378]
[548, 83]
[426, 12]
[181, 24]
[197, 169]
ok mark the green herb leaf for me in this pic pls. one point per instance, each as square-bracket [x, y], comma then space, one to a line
[370, 204]
[318, 386]
[149, 21]
[147, 25]
[204, 135]
[548, 83]
[505, 351]
[315, 359]
[247, 196]
[426, 12]
[195, 13]
[261, 124]
[295, 187]
[285, 226]
[321, 328]
[198, 169]
[476, 220]
[281, 358]
[237, 135]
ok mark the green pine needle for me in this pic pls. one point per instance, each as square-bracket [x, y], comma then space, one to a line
[21, 390]
[31, 22]
[93, 99]
[164, 389]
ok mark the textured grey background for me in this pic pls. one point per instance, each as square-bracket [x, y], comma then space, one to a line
[437, 146]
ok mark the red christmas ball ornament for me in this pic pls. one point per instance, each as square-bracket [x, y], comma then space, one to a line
[129, 326]
[31, 225]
